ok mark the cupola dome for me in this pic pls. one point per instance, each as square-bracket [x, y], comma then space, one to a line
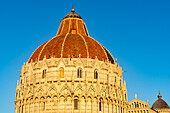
[73, 14]
[72, 41]
[160, 103]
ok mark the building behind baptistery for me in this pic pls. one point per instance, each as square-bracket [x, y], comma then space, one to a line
[139, 106]
[71, 73]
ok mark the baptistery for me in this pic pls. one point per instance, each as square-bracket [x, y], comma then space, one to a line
[71, 73]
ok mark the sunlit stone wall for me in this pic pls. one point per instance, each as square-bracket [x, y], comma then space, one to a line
[71, 85]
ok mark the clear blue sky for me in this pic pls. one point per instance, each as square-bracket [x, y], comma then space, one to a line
[136, 32]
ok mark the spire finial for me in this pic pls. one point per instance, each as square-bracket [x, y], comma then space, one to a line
[72, 9]
[135, 96]
[159, 96]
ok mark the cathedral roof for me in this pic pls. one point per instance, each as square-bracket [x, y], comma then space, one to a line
[160, 103]
[72, 41]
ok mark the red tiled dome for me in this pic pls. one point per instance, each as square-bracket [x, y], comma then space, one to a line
[160, 103]
[72, 41]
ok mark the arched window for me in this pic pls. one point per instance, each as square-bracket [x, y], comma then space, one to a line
[44, 73]
[100, 106]
[21, 82]
[22, 108]
[44, 106]
[79, 73]
[95, 74]
[61, 72]
[75, 103]
[137, 105]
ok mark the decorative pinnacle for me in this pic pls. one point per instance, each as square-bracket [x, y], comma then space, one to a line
[72, 9]
[135, 96]
[159, 96]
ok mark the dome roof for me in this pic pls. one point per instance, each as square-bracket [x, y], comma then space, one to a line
[72, 41]
[160, 103]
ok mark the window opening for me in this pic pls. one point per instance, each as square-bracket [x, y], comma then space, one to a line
[44, 106]
[44, 73]
[75, 103]
[21, 82]
[22, 108]
[100, 106]
[79, 73]
[95, 74]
